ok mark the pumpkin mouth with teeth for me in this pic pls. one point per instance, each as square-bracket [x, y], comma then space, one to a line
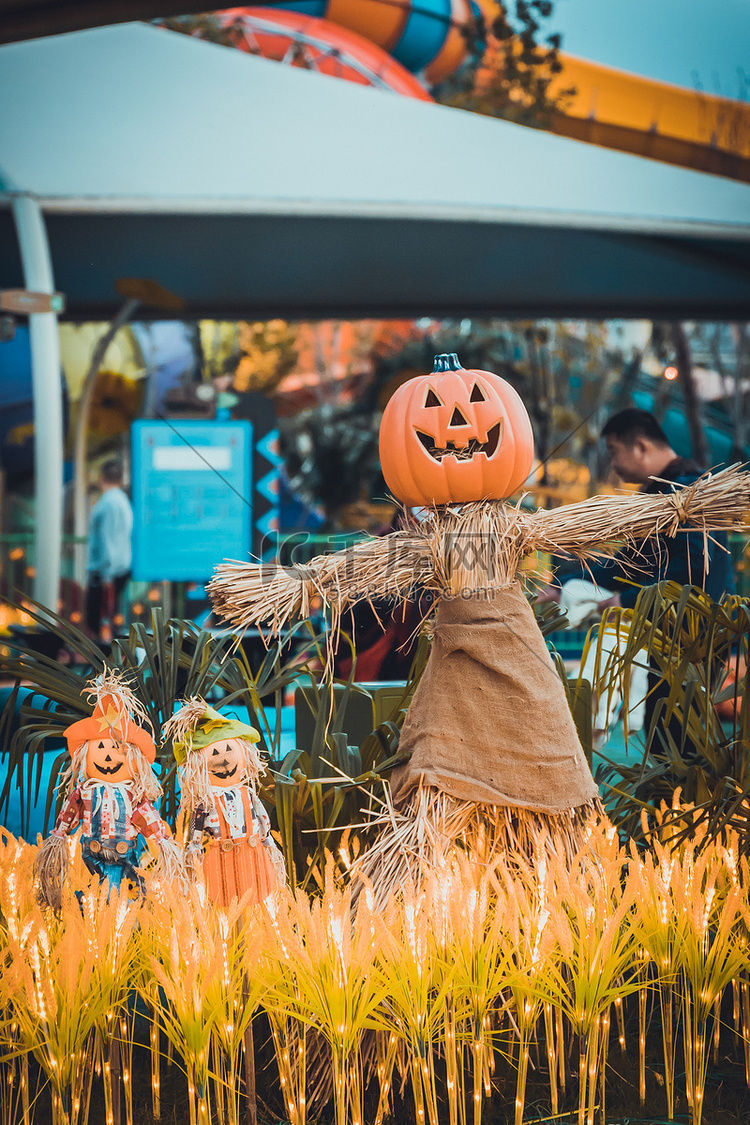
[223, 770]
[109, 769]
[464, 452]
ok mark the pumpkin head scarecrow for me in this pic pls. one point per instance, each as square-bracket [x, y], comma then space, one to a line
[109, 790]
[496, 764]
[228, 830]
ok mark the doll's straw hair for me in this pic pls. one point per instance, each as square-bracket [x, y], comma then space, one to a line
[459, 550]
[185, 721]
[113, 685]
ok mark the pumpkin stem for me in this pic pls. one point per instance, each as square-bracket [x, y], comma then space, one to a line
[449, 361]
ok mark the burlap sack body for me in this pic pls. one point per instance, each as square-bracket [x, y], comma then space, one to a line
[489, 721]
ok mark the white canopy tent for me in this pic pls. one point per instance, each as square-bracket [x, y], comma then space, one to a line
[252, 189]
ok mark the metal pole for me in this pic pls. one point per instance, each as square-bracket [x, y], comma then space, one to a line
[80, 480]
[48, 415]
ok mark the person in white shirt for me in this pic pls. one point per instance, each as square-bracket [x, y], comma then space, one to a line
[109, 549]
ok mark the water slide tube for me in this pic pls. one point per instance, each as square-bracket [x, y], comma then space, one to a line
[610, 107]
[631, 113]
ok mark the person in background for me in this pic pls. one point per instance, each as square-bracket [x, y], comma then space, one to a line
[109, 549]
[640, 453]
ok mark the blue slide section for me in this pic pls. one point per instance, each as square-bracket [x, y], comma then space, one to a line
[425, 32]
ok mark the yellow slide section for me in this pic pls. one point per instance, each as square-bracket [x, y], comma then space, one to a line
[670, 123]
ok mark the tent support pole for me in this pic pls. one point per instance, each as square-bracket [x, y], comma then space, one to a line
[48, 415]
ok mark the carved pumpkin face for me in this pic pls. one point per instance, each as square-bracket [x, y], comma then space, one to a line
[107, 760]
[455, 436]
[226, 763]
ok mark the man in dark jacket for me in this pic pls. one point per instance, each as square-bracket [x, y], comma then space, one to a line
[639, 451]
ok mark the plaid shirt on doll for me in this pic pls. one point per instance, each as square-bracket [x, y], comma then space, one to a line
[105, 810]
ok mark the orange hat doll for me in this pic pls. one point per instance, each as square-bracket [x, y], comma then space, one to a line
[109, 789]
[229, 833]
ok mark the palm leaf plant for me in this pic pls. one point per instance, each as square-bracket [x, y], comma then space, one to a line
[313, 792]
[163, 663]
[697, 651]
[320, 788]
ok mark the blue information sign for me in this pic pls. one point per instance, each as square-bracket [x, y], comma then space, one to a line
[192, 498]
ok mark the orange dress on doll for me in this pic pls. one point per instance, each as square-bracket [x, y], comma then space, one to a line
[237, 844]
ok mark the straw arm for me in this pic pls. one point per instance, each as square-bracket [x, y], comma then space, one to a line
[715, 502]
[253, 593]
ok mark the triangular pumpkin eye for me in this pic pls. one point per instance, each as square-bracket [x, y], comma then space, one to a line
[432, 399]
[476, 394]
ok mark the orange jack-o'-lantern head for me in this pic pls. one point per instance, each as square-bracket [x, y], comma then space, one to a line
[455, 436]
[107, 760]
[226, 762]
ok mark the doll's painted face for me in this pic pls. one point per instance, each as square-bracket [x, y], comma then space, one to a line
[225, 761]
[107, 760]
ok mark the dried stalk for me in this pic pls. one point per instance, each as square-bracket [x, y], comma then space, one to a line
[423, 835]
[472, 547]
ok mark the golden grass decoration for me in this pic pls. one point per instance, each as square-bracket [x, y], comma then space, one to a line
[419, 976]
[63, 978]
[17, 899]
[591, 926]
[471, 918]
[195, 955]
[473, 967]
[531, 951]
[321, 974]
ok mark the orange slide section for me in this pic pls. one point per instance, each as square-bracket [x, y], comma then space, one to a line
[670, 123]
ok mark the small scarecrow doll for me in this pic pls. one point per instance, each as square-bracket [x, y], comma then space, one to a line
[228, 830]
[496, 765]
[109, 790]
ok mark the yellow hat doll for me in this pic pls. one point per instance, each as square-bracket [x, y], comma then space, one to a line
[229, 832]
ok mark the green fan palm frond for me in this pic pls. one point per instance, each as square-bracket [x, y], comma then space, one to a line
[698, 738]
[163, 663]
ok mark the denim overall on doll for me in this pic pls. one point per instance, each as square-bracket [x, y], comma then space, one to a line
[108, 852]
